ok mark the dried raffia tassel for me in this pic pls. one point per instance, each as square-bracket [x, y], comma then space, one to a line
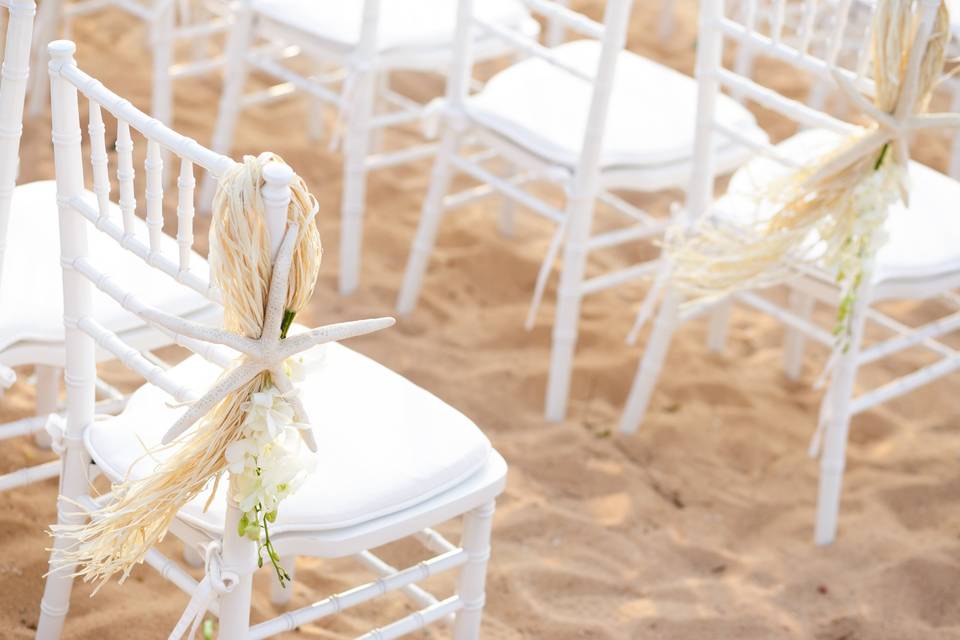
[832, 211]
[137, 517]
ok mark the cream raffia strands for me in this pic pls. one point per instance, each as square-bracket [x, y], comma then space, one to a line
[831, 212]
[260, 296]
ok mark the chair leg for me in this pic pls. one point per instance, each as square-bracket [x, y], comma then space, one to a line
[235, 77]
[316, 125]
[426, 235]
[800, 305]
[579, 220]
[382, 86]
[564, 342]
[719, 324]
[56, 591]
[508, 207]
[833, 458]
[49, 16]
[356, 149]
[471, 584]
[648, 371]
[281, 596]
[48, 398]
[239, 556]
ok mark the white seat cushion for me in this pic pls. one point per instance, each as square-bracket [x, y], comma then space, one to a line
[650, 120]
[404, 24]
[384, 443]
[924, 240]
[31, 291]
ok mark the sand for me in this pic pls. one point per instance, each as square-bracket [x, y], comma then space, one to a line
[699, 527]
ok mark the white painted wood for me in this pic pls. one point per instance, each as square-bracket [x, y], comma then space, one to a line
[582, 185]
[470, 587]
[185, 210]
[125, 177]
[230, 560]
[80, 370]
[823, 60]
[165, 24]
[359, 126]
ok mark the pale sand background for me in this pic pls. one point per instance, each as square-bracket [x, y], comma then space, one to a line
[699, 527]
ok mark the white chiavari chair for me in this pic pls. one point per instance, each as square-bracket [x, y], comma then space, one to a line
[357, 46]
[386, 470]
[921, 259]
[765, 16]
[31, 316]
[167, 22]
[586, 116]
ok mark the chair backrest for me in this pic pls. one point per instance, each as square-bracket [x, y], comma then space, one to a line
[79, 213]
[612, 34]
[13, 89]
[762, 26]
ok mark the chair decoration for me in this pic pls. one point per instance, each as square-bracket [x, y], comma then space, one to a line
[832, 211]
[251, 416]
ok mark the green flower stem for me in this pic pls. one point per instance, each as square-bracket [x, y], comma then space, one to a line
[288, 316]
[883, 154]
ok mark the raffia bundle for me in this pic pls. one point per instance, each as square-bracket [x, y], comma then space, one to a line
[137, 517]
[832, 211]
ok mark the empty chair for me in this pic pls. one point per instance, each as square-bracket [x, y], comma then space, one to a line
[386, 470]
[353, 47]
[31, 311]
[587, 117]
[920, 260]
[166, 22]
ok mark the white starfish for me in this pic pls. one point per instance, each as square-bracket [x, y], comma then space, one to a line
[266, 353]
[892, 128]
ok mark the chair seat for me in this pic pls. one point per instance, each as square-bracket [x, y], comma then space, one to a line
[923, 240]
[31, 298]
[650, 122]
[403, 25]
[385, 444]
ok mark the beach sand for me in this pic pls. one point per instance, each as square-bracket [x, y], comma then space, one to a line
[699, 527]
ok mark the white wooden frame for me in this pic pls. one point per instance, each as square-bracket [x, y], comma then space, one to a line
[584, 185]
[811, 286]
[227, 554]
[48, 359]
[359, 91]
[13, 86]
[167, 22]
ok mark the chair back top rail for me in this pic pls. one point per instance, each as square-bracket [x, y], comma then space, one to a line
[811, 36]
[746, 35]
[612, 31]
[122, 109]
[78, 313]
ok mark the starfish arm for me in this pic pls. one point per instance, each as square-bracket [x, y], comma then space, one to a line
[332, 333]
[934, 121]
[862, 147]
[277, 297]
[285, 386]
[858, 99]
[196, 330]
[231, 381]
